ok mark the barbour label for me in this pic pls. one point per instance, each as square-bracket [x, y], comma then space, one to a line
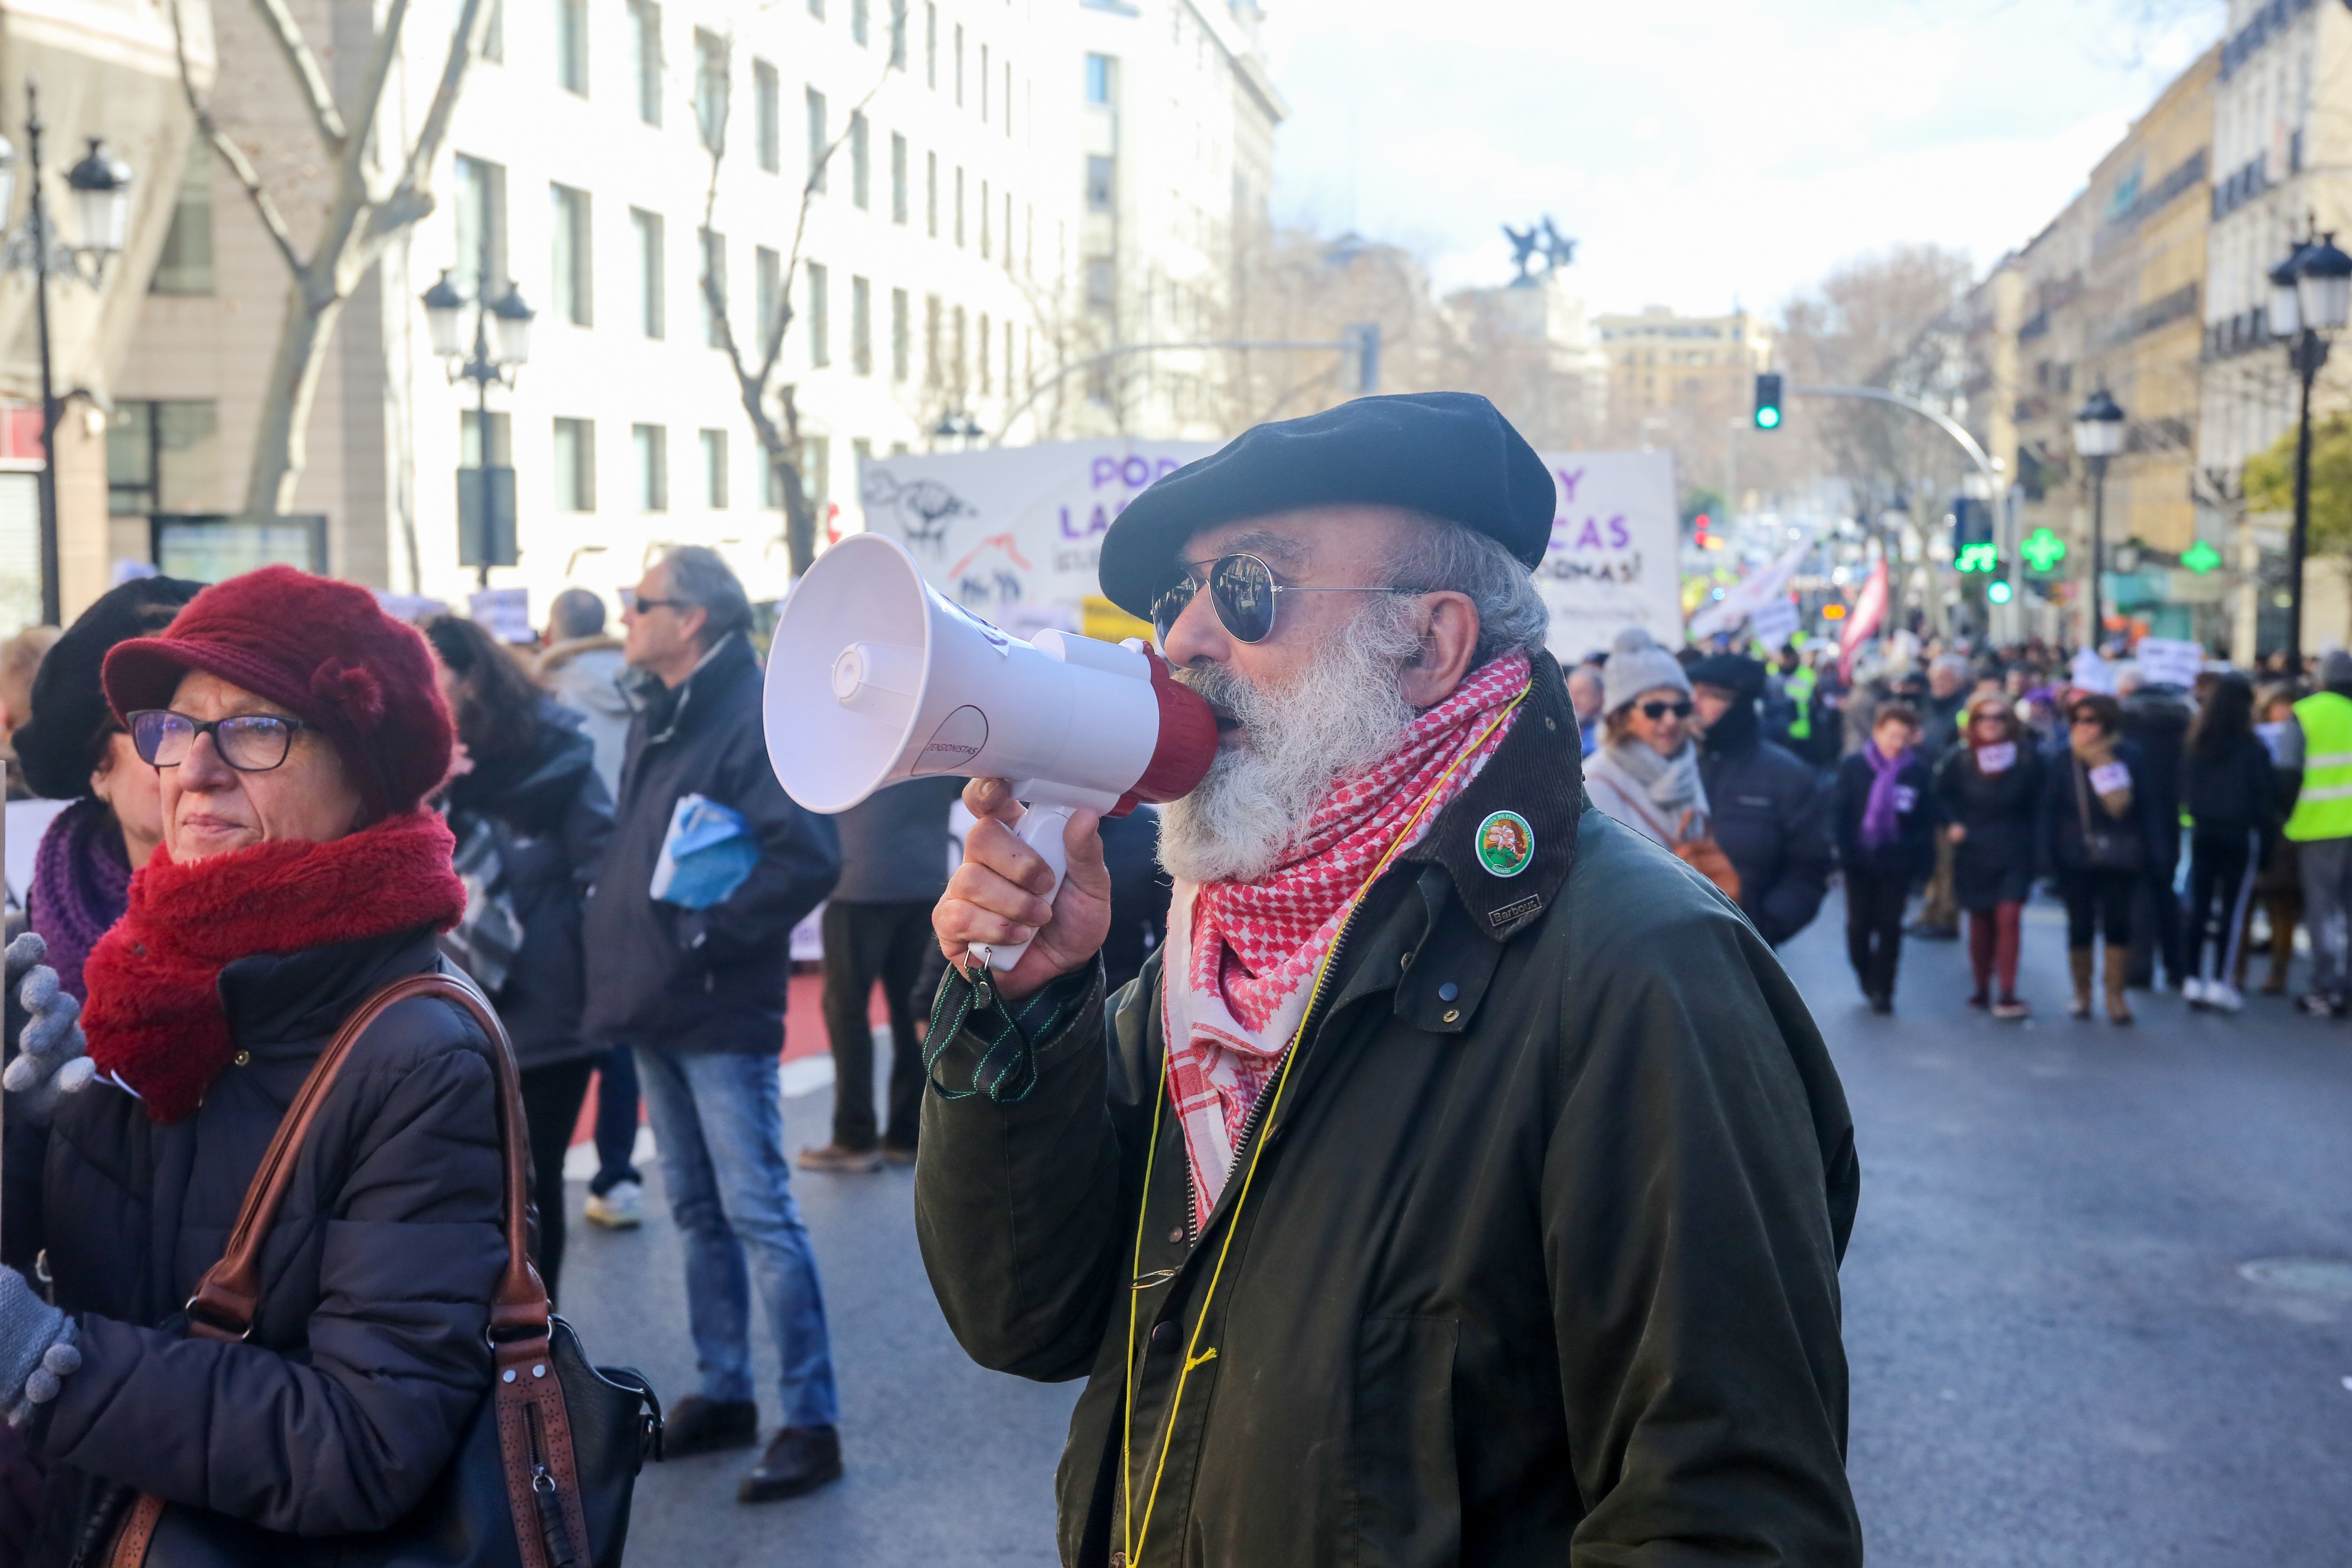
[1529, 905]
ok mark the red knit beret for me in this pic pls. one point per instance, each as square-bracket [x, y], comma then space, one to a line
[323, 651]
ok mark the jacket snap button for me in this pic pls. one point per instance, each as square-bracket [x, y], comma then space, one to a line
[243, 1058]
[508, 1375]
[538, 1370]
[1176, 1233]
[1448, 991]
[1164, 1337]
[1453, 1014]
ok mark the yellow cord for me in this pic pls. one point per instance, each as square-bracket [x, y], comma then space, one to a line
[1132, 1537]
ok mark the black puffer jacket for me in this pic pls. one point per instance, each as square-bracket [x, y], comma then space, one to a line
[367, 1357]
[554, 820]
[1772, 815]
[707, 979]
[1993, 862]
[1912, 851]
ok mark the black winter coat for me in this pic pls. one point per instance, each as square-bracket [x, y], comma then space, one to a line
[2156, 720]
[554, 820]
[1912, 852]
[1993, 862]
[367, 1359]
[2058, 827]
[1540, 1263]
[714, 979]
[1772, 815]
[2235, 795]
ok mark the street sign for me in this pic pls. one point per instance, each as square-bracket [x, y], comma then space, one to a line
[2043, 549]
[1976, 558]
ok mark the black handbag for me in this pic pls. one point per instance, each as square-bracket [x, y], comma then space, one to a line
[2107, 844]
[545, 1471]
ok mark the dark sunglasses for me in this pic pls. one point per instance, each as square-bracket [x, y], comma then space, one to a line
[635, 604]
[1241, 589]
[1657, 711]
[250, 743]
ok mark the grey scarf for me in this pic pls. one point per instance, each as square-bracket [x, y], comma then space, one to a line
[1671, 784]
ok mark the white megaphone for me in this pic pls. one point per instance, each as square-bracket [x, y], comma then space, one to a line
[873, 678]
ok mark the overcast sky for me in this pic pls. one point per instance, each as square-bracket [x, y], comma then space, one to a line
[1706, 150]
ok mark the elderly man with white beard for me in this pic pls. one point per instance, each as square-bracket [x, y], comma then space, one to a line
[1463, 1181]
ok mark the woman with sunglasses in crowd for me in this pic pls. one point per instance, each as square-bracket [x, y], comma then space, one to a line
[1988, 789]
[1645, 770]
[296, 731]
[2098, 829]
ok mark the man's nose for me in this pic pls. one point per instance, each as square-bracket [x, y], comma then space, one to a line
[1197, 634]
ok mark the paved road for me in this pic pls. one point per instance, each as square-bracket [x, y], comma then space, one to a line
[2057, 1362]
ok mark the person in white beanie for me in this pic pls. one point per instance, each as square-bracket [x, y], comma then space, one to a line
[1645, 770]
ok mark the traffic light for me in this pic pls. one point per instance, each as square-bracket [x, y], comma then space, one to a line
[1998, 591]
[1976, 558]
[1767, 401]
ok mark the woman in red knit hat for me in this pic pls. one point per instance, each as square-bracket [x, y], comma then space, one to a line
[296, 729]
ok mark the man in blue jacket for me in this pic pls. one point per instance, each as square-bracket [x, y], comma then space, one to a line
[1770, 811]
[699, 993]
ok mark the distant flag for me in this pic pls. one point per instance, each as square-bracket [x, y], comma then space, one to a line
[1869, 612]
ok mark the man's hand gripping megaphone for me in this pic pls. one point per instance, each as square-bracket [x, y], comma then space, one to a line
[998, 897]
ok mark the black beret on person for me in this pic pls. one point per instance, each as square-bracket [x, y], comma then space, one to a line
[60, 744]
[1450, 454]
[1734, 672]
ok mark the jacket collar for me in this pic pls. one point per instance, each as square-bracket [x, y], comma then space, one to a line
[1535, 774]
[667, 712]
[294, 998]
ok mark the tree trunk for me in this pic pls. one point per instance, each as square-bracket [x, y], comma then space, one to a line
[282, 437]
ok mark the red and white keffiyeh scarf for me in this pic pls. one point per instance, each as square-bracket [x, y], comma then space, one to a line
[1242, 956]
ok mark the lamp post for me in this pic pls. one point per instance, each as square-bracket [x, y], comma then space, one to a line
[953, 427]
[2311, 296]
[502, 346]
[101, 185]
[2098, 435]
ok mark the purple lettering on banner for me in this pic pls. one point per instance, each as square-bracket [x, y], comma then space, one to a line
[1620, 536]
[1099, 522]
[1105, 470]
[1589, 537]
[1569, 479]
[1136, 472]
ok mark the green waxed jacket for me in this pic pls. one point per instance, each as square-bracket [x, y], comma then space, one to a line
[1541, 1262]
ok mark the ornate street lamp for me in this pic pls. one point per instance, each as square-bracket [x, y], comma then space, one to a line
[2098, 435]
[2311, 296]
[500, 346]
[101, 185]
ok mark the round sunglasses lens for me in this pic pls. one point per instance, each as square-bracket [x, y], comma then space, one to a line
[1169, 605]
[1244, 590]
[252, 745]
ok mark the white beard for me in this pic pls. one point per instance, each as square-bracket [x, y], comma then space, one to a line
[1292, 744]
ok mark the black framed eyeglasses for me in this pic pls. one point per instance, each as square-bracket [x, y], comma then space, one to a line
[1653, 711]
[1241, 589]
[250, 743]
[636, 604]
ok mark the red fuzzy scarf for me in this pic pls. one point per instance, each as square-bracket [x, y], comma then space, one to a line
[154, 1019]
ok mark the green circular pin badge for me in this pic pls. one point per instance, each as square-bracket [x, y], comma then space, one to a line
[1505, 844]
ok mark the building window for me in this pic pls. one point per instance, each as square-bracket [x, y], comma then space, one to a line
[898, 178]
[932, 194]
[572, 46]
[569, 268]
[652, 319]
[897, 35]
[861, 326]
[714, 469]
[1008, 357]
[482, 220]
[1008, 101]
[984, 231]
[768, 280]
[860, 162]
[816, 9]
[162, 458]
[819, 336]
[652, 444]
[713, 289]
[1008, 232]
[575, 464]
[898, 334]
[1101, 176]
[931, 46]
[959, 65]
[470, 441]
[1099, 282]
[494, 36]
[768, 108]
[1098, 79]
[816, 138]
[816, 473]
[711, 83]
[987, 379]
[983, 84]
[959, 207]
[959, 356]
[933, 368]
[185, 266]
[858, 25]
[646, 58]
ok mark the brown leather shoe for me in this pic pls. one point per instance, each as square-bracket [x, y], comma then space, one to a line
[842, 1162]
[799, 1460]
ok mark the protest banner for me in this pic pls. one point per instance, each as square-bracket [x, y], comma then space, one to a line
[1614, 559]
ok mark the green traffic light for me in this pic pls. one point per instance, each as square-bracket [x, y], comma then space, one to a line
[1999, 592]
[1768, 418]
[1976, 558]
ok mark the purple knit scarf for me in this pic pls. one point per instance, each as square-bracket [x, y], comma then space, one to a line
[1879, 823]
[81, 885]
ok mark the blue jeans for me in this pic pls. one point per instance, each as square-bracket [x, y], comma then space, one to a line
[721, 1132]
[616, 1120]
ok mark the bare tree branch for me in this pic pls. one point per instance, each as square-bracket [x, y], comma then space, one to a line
[316, 97]
[239, 165]
[412, 198]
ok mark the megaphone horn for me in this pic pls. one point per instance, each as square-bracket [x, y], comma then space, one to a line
[873, 678]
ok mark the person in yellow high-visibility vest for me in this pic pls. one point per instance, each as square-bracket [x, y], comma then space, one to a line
[2319, 742]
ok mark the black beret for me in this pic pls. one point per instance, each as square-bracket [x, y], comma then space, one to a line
[58, 746]
[1734, 672]
[1450, 454]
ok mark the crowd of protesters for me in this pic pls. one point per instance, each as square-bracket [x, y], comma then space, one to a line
[1945, 784]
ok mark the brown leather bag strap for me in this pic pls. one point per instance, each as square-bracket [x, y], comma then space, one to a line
[230, 1293]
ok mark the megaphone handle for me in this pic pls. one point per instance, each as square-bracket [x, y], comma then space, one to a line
[1041, 830]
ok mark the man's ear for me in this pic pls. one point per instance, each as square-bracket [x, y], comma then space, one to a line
[1449, 635]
